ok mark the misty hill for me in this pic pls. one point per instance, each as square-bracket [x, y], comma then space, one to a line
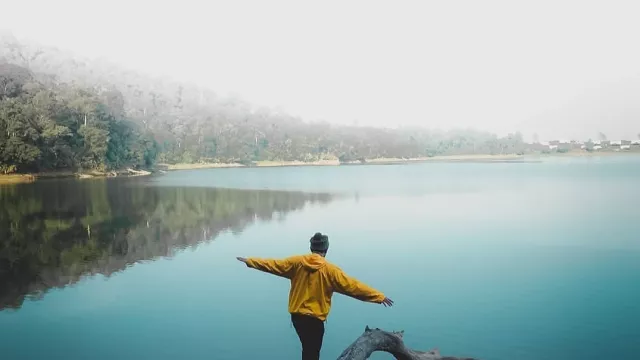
[60, 111]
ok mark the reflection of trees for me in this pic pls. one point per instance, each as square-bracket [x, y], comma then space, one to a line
[53, 233]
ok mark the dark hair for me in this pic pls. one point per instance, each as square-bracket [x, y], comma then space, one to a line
[319, 243]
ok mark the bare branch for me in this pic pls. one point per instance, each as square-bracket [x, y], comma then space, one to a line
[373, 340]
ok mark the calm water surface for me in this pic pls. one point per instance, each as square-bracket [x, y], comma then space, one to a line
[496, 261]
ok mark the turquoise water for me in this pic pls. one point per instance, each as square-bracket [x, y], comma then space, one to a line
[495, 261]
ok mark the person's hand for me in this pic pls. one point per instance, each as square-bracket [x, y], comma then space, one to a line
[387, 302]
[241, 259]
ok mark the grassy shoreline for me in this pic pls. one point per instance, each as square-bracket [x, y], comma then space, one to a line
[448, 158]
[376, 161]
[6, 179]
[185, 166]
[26, 178]
[16, 179]
[633, 152]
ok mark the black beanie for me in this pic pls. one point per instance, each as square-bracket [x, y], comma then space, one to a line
[319, 242]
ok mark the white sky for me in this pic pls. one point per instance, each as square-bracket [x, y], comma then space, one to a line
[563, 69]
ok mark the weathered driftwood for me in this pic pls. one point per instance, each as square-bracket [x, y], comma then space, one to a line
[379, 340]
[137, 172]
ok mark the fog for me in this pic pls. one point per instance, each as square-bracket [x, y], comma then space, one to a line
[561, 69]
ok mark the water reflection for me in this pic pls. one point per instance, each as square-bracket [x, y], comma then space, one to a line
[53, 233]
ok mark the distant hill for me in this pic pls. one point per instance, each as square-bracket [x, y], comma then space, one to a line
[134, 119]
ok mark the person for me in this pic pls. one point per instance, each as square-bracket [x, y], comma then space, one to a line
[313, 282]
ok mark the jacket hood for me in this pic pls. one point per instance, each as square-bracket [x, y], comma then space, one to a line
[313, 261]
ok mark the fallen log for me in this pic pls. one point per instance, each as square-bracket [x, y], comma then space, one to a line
[373, 340]
[138, 172]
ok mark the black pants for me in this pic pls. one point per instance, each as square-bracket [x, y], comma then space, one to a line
[310, 331]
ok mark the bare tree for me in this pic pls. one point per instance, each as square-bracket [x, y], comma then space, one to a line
[373, 340]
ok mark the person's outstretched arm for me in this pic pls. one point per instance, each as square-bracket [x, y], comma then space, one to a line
[279, 267]
[350, 286]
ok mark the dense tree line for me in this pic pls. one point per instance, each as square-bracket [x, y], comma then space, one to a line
[45, 126]
[192, 124]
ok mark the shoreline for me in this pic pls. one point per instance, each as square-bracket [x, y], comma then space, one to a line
[198, 166]
[589, 154]
[447, 158]
[8, 179]
[376, 161]
[163, 168]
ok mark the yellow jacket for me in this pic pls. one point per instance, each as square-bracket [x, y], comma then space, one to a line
[313, 281]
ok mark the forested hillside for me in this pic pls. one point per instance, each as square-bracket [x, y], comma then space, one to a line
[58, 111]
[45, 126]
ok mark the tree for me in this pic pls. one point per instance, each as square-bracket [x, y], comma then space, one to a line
[12, 78]
[190, 124]
[47, 125]
[96, 144]
[23, 55]
[379, 340]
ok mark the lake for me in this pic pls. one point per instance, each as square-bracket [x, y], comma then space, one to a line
[495, 261]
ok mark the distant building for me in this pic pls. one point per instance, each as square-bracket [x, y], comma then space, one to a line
[635, 142]
[597, 147]
[625, 147]
[616, 142]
